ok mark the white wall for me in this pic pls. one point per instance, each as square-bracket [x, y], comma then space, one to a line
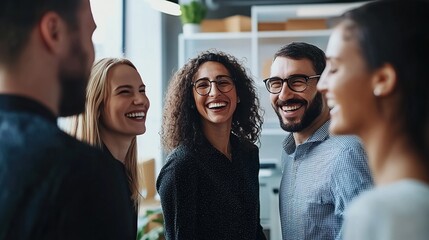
[144, 48]
[107, 37]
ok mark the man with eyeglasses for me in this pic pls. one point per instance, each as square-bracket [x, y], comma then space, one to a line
[321, 174]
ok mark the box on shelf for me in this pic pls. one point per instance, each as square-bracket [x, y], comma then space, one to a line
[271, 26]
[235, 23]
[238, 23]
[306, 24]
[212, 25]
[294, 24]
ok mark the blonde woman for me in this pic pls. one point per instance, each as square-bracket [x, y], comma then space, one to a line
[115, 113]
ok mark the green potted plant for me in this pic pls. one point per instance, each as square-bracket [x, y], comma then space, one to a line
[151, 225]
[192, 15]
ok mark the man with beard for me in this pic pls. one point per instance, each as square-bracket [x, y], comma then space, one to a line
[321, 173]
[52, 186]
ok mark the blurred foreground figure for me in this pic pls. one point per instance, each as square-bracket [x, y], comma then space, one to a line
[52, 186]
[376, 83]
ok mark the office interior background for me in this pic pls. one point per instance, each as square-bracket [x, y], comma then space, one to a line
[154, 42]
[150, 39]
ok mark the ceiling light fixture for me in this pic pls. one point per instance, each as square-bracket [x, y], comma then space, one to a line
[164, 6]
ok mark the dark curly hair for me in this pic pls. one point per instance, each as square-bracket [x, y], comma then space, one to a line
[181, 120]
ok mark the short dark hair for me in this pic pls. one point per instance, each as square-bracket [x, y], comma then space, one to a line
[19, 17]
[393, 32]
[302, 50]
[181, 120]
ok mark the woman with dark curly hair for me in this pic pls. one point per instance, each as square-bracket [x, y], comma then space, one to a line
[209, 186]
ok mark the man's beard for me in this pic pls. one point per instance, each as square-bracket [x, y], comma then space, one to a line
[312, 112]
[74, 74]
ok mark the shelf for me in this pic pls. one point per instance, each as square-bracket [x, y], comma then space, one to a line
[216, 35]
[302, 33]
[262, 34]
[281, 13]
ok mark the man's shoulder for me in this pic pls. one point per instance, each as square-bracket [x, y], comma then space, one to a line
[66, 149]
[38, 143]
[19, 130]
[344, 141]
[347, 150]
[77, 149]
[344, 152]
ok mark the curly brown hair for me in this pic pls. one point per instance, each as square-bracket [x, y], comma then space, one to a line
[181, 120]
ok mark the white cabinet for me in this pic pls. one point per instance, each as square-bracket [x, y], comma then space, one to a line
[269, 202]
[256, 49]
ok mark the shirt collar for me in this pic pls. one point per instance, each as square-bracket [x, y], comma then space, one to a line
[320, 135]
[17, 103]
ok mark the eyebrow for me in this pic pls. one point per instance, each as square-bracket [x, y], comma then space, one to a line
[128, 87]
[222, 75]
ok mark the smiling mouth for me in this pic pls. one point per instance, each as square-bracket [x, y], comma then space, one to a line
[291, 108]
[136, 115]
[217, 105]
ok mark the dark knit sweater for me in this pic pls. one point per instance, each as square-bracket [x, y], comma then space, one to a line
[129, 212]
[204, 195]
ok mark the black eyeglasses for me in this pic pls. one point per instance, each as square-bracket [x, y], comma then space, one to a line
[203, 86]
[296, 83]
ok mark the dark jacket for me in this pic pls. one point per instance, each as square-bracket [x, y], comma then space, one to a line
[53, 186]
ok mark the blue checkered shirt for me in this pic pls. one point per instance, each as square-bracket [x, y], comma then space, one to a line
[320, 178]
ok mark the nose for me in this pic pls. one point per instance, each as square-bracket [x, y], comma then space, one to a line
[286, 93]
[213, 89]
[140, 99]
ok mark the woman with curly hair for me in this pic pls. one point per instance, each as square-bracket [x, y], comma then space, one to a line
[209, 186]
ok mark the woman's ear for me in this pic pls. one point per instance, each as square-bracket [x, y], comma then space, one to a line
[384, 81]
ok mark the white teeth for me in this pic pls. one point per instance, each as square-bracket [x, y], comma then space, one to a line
[290, 108]
[334, 110]
[136, 115]
[216, 105]
[331, 103]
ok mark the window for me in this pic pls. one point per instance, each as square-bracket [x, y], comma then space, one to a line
[108, 37]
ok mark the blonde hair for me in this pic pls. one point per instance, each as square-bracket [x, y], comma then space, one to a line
[86, 125]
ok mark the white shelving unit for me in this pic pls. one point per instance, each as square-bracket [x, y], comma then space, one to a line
[191, 45]
[256, 49]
